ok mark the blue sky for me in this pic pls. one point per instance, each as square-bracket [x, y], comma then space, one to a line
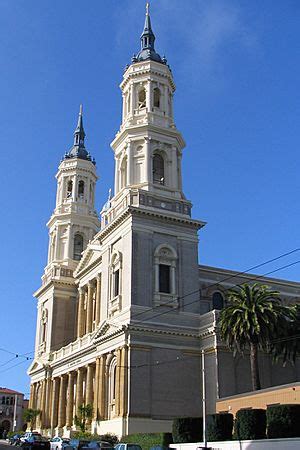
[236, 66]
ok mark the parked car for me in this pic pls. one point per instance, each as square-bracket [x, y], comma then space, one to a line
[96, 445]
[75, 444]
[35, 442]
[28, 435]
[57, 443]
[123, 446]
[15, 439]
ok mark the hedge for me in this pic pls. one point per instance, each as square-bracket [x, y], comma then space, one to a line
[250, 424]
[148, 440]
[283, 421]
[187, 429]
[108, 437]
[219, 427]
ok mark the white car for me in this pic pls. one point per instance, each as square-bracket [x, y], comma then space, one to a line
[57, 442]
[29, 435]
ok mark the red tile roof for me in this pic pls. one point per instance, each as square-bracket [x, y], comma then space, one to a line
[9, 391]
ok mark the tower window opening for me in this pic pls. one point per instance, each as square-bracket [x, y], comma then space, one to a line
[80, 189]
[78, 246]
[156, 99]
[142, 98]
[164, 279]
[69, 189]
[158, 170]
[218, 300]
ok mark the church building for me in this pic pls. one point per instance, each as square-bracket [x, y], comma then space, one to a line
[124, 308]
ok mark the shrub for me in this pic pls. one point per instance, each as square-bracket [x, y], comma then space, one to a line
[219, 427]
[187, 429]
[283, 421]
[250, 424]
[109, 437]
[148, 440]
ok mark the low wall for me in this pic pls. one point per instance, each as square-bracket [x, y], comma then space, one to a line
[264, 444]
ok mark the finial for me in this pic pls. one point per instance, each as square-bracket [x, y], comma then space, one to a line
[80, 109]
[147, 8]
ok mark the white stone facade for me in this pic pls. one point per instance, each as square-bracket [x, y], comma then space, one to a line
[122, 326]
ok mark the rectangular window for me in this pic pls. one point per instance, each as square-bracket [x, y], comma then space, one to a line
[116, 282]
[164, 279]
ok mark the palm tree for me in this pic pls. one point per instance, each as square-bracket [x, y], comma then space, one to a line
[249, 320]
[85, 413]
[286, 344]
[30, 415]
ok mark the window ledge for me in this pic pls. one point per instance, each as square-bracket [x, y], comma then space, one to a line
[163, 299]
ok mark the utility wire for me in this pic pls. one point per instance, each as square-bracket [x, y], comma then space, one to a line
[228, 278]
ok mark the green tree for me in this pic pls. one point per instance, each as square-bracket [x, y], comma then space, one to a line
[85, 414]
[286, 344]
[249, 320]
[30, 416]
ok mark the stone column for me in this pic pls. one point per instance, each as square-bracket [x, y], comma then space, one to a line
[43, 404]
[89, 386]
[47, 403]
[54, 405]
[70, 399]
[123, 381]
[96, 390]
[31, 397]
[102, 387]
[80, 314]
[89, 310]
[117, 387]
[79, 387]
[98, 300]
[148, 161]
[62, 402]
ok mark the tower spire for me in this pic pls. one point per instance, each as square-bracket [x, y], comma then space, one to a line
[78, 150]
[147, 42]
[79, 133]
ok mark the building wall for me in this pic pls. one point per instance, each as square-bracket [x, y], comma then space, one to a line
[276, 395]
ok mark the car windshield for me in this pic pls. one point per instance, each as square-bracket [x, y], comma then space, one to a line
[134, 447]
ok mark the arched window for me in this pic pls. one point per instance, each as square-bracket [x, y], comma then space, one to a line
[112, 387]
[165, 259]
[142, 98]
[123, 173]
[217, 300]
[69, 188]
[156, 98]
[158, 169]
[115, 303]
[81, 189]
[78, 246]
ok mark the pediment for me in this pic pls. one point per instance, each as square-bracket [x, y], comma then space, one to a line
[34, 366]
[89, 256]
[108, 329]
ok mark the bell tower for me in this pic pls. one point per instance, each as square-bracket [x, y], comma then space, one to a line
[148, 147]
[73, 224]
[74, 221]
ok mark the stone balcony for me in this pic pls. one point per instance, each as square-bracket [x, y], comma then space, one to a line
[141, 198]
[73, 348]
[56, 273]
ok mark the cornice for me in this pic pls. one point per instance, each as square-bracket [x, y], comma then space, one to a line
[54, 283]
[131, 210]
[145, 129]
